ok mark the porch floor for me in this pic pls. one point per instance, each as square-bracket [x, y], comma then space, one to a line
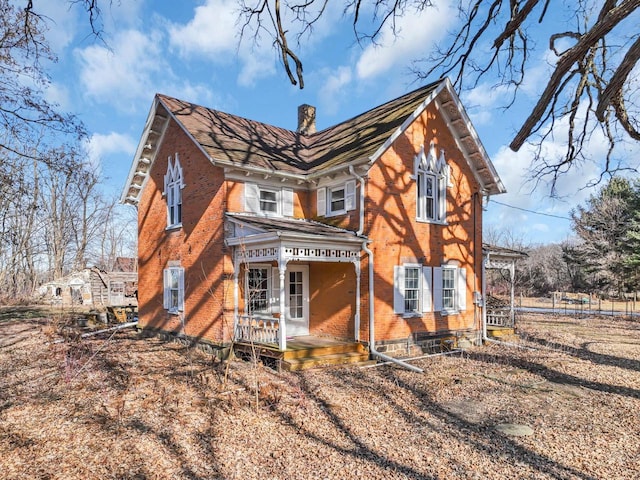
[308, 351]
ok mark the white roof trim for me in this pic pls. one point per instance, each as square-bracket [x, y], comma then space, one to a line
[410, 119]
[446, 84]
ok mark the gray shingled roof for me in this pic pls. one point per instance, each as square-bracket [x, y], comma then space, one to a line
[237, 140]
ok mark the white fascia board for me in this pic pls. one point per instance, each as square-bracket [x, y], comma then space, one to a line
[472, 131]
[138, 154]
[410, 119]
[253, 239]
[320, 240]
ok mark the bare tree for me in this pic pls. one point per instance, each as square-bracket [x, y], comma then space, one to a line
[590, 86]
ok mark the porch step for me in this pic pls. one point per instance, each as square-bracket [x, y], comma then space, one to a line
[316, 361]
[297, 351]
[502, 333]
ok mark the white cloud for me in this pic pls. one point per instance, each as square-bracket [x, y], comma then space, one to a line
[123, 74]
[334, 88]
[415, 33]
[100, 146]
[212, 31]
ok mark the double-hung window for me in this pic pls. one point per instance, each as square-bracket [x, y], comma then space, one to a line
[262, 290]
[412, 289]
[268, 200]
[336, 200]
[173, 185]
[449, 289]
[432, 178]
[258, 291]
[419, 289]
[174, 289]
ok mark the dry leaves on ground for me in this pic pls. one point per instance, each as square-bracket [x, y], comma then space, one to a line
[124, 406]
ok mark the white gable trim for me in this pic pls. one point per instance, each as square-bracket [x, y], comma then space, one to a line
[476, 139]
[432, 97]
[144, 154]
[417, 112]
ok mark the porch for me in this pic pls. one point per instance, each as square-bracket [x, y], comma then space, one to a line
[305, 352]
[294, 279]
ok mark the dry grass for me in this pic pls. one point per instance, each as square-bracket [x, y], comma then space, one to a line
[145, 409]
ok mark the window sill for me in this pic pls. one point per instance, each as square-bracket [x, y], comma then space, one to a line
[412, 315]
[444, 313]
[434, 222]
[174, 312]
[177, 226]
[336, 214]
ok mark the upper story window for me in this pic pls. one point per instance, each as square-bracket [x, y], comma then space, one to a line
[173, 185]
[432, 179]
[336, 200]
[268, 200]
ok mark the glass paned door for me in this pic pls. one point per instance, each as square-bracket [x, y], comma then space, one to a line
[297, 308]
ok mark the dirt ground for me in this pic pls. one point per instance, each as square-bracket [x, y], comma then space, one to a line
[118, 405]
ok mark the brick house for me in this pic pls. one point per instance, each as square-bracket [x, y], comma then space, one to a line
[369, 231]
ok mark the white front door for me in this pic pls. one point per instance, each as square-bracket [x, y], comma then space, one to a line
[297, 300]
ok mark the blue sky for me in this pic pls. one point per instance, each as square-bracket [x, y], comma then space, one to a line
[191, 50]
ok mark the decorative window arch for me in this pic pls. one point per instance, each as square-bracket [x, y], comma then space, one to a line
[432, 178]
[173, 185]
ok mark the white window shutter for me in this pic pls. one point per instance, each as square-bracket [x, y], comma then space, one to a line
[461, 290]
[275, 290]
[398, 289]
[321, 201]
[251, 198]
[287, 202]
[165, 289]
[437, 289]
[350, 195]
[181, 289]
[427, 289]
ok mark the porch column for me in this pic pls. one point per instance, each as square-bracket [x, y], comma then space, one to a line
[512, 275]
[282, 339]
[356, 320]
[236, 296]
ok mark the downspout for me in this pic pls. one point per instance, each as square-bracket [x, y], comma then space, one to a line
[372, 337]
[360, 180]
[356, 320]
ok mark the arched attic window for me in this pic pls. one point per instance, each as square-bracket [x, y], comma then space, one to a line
[173, 185]
[432, 177]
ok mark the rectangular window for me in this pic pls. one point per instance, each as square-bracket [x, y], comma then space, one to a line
[174, 204]
[268, 201]
[449, 288]
[336, 200]
[427, 196]
[411, 289]
[258, 290]
[174, 289]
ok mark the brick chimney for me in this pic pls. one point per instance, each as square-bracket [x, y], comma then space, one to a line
[306, 119]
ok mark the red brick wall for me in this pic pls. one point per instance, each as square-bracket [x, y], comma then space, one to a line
[398, 238]
[198, 245]
[332, 300]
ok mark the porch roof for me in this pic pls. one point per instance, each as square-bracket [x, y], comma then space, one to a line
[287, 239]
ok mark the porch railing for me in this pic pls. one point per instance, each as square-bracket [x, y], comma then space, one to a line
[254, 329]
[500, 317]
